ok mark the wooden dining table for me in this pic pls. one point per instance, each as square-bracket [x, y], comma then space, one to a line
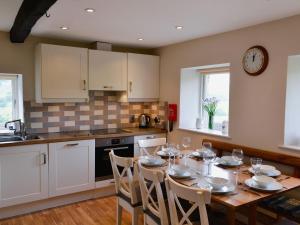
[243, 195]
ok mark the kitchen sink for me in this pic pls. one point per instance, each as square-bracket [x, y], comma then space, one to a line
[10, 138]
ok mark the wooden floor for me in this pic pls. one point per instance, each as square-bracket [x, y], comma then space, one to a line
[99, 211]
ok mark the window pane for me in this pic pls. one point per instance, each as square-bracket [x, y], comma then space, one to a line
[217, 85]
[6, 101]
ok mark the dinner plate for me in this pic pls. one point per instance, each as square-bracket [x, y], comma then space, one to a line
[228, 161]
[152, 161]
[180, 172]
[271, 173]
[275, 186]
[163, 153]
[224, 190]
[202, 184]
[198, 154]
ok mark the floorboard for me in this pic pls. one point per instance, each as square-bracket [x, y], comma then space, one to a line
[92, 212]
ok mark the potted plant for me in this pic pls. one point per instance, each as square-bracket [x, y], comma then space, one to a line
[210, 106]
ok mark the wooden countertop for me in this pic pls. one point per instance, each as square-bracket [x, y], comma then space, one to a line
[81, 135]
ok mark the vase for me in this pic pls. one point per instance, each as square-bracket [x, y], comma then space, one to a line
[210, 121]
[198, 123]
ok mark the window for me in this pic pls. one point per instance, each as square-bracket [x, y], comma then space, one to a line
[11, 98]
[292, 104]
[197, 84]
[216, 85]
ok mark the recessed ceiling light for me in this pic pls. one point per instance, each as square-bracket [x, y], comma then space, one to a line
[90, 10]
[64, 28]
[179, 27]
[140, 39]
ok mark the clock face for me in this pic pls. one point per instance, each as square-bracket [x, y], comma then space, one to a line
[255, 60]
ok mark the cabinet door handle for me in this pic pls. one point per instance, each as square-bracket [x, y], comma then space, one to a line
[107, 86]
[84, 85]
[130, 86]
[117, 148]
[44, 158]
[71, 145]
[150, 137]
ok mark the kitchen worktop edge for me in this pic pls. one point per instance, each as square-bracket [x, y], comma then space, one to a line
[81, 135]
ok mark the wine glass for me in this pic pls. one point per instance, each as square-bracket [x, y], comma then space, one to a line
[207, 145]
[209, 156]
[256, 165]
[238, 155]
[172, 151]
[186, 143]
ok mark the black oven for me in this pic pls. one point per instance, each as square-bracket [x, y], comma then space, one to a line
[122, 146]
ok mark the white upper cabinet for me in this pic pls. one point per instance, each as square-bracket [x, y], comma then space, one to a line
[143, 77]
[61, 73]
[71, 167]
[23, 174]
[107, 70]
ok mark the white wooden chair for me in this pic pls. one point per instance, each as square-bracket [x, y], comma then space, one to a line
[127, 187]
[197, 198]
[151, 144]
[154, 207]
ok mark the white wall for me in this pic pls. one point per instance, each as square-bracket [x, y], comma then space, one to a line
[292, 111]
[190, 98]
[257, 104]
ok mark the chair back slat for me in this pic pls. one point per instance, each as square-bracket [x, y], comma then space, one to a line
[153, 144]
[150, 183]
[125, 181]
[197, 198]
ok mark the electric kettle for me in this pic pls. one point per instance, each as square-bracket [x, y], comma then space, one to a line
[144, 121]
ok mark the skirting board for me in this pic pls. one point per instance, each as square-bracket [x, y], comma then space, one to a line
[54, 202]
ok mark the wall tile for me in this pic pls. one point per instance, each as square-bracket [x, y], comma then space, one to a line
[36, 125]
[98, 112]
[53, 129]
[69, 113]
[86, 117]
[53, 108]
[102, 111]
[36, 114]
[53, 119]
[69, 123]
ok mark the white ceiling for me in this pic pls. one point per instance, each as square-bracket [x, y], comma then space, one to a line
[124, 21]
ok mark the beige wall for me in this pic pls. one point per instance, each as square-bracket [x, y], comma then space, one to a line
[257, 104]
[19, 58]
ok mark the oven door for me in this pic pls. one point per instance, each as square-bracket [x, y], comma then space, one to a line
[103, 170]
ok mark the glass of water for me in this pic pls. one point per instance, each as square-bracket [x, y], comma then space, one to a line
[238, 155]
[256, 165]
[186, 144]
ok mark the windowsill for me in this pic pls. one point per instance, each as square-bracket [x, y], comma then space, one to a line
[207, 132]
[290, 147]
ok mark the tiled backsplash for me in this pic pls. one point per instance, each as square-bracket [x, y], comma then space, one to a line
[102, 111]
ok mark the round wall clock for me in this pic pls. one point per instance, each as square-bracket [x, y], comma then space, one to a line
[255, 60]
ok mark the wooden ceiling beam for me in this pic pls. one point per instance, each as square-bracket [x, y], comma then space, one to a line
[29, 13]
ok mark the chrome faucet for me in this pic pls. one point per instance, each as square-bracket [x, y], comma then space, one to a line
[22, 128]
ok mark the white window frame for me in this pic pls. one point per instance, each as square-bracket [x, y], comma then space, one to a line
[17, 95]
[209, 72]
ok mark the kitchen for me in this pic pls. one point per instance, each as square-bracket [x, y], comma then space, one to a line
[73, 114]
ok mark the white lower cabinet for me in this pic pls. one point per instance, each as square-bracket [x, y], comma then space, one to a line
[71, 167]
[23, 174]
